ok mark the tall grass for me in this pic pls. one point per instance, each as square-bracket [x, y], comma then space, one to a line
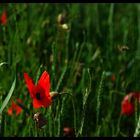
[80, 61]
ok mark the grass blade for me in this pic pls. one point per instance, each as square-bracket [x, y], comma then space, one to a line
[38, 73]
[61, 78]
[8, 96]
[137, 130]
[99, 94]
[2, 63]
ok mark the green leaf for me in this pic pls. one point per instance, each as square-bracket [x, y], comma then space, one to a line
[8, 96]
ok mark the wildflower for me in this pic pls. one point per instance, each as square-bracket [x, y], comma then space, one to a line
[40, 93]
[15, 108]
[40, 119]
[68, 132]
[4, 18]
[127, 105]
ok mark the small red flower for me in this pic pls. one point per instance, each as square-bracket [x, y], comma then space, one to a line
[127, 106]
[113, 77]
[15, 108]
[68, 132]
[4, 18]
[41, 92]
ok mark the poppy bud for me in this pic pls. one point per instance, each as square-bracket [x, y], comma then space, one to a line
[53, 94]
[40, 119]
[65, 26]
[61, 19]
[128, 106]
[29, 40]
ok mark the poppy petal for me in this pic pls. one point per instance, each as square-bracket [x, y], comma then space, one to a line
[30, 84]
[46, 101]
[10, 111]
[127, 108]
[127, 105]
[4, 18]
[44, 82]
[37, 104]
[18, 110]
[13, 105]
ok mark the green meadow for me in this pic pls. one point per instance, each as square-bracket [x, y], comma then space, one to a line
[92, 55]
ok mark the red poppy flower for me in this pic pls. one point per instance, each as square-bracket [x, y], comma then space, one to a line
[40, 93]
[68, 132]
[15, 108]
[128, 107]
[4, 18]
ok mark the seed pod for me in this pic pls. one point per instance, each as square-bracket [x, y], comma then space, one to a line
[40, 119]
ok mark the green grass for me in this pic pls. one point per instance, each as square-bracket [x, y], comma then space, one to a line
[80, 62]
